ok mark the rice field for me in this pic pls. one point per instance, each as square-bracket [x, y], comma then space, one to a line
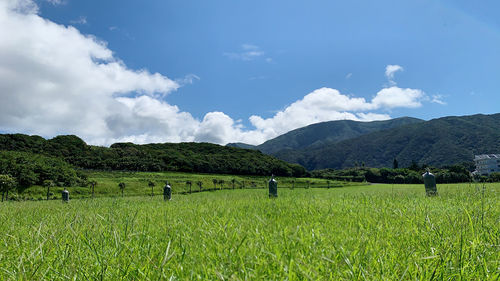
[376, 232]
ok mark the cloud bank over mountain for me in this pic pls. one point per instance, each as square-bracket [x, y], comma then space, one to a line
[56, 80]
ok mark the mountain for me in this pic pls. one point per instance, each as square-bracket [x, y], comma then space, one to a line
[319, 134]
[336, 144]
[241, 145]
[438, 142]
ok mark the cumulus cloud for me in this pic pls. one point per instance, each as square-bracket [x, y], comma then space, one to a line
[327, 104]
[55, 80]
[20, 6]
[390, 70]
[370, 116]
[397, 97]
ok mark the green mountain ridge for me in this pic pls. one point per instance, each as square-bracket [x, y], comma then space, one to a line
[324, 132]
[437, 142]
[335, 144]
[319, 134]
[241, 145]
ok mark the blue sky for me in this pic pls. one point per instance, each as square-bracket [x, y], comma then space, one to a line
[275, 60]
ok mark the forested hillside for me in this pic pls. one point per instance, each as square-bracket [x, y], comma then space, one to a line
[187, 157]
[329, 132]
[438, 142]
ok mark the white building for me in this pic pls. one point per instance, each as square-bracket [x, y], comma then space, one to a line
[487, 163]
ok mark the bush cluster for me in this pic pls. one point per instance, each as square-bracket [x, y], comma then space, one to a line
[34, 169]
[412, 175]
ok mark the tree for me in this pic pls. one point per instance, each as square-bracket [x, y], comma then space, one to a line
[6, 183]
[152, 185]
[214, 181]
[414, 166]
[48, 184]
[494, 177]
[328, 183]
[395, 164]
[399, 179]
[200, 184]
[233, 181]
[122, 187]
[221, 184]
[92, 185]
[189, 183]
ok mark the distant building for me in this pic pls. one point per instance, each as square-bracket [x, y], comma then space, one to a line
[487, 163]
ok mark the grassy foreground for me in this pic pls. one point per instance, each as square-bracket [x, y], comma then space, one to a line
[379, 232]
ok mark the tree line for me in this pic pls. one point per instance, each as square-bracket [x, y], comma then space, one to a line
[183, 157]
[409, 175]
[62, 161]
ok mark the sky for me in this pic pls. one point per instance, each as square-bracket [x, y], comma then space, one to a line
[226, 71]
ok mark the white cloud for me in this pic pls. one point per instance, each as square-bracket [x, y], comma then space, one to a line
[327, 104]
[80, 20]
[390, 70]
[216, 127]
[56, 2]
[151, 119]
[55, 80]
[249, 47]
[348, 76]
[188, 79]
[248, 52]
[19, 6]
[438, 99]
[370, 116]
[398, 97]
[122, 32]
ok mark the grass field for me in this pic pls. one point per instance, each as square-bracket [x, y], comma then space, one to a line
[378, 232]
[137, 184]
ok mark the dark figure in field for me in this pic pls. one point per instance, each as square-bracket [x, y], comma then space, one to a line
[430, 184]
[167, 192]
[65, 195]
[273, 188]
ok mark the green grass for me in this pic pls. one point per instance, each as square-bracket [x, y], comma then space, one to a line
[137, 184]
[379, 232]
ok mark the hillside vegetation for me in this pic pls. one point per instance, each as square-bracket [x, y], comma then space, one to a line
[185, 157]
[438, 142]
[317, 135]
